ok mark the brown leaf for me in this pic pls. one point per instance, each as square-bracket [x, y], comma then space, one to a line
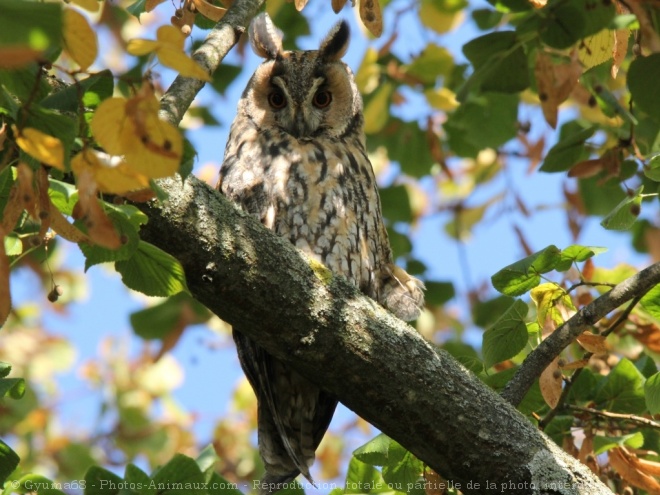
[100, 229]
[5, 294]
[66, 230]
[26, 195]
[648, 467]
[623, 463]
[555, 83]
[523, 242]
[647, 333]
[587, 447]
[652, 239]
[435, 147]
[595, 344]
[551, 382]
[371, 16]
[211, 11]
[574, 365]
[650, 37]
[588, 269]
[44, 201]
[586, 168]
[337, 5]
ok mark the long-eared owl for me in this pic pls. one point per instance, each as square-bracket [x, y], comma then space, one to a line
[296, 159]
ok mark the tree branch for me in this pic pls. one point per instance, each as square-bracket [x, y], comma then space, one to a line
[550, 348]
[346, 343]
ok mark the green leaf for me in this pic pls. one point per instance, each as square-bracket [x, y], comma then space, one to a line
[499, 61]
[559, 428]
[12, 387]
[25, 84]
[405, 143]
[624, 215]
[152, 271]
[464, 354]
[652, 393]
[93, 89]
[30, 24]
[598, 198]
[64, 196]
[487, 120]
[434, 61]
[137, 8]
[507, 337]
[134, 476]
[404, 469]
[438, 293]
[158, 321]
[400, 243]
[100, 481]
[485, 313]
[39, 484]
[8, 461]
[13, 245]
[622, 390]
[181, 475]
[642, 71]
[207, 459]
[375, 452]
[577, 254]
[95, 254]
[563, 26]
[224, 76]
[362, 478]
[523, 275]
[652, 171]
[568, 151]
[6, 183]
[511, 5]
[486, 18]
[651, 302]
[396, 203]
[603, 444]
[134, 215]
[187, 159]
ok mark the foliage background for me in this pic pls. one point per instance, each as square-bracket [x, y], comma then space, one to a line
[464, 200]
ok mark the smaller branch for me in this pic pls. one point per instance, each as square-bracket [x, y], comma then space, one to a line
[587, 355]
[617, 416]
[532, 367]
[210, 54]
[589, 284]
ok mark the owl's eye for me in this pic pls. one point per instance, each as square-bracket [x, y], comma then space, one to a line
[277, 100]
[322, 99]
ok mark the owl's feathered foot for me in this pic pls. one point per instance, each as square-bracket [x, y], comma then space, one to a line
[402, 293]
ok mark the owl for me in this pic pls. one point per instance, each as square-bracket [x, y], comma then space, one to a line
[296, 160]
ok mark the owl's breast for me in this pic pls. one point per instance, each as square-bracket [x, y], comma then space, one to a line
[323, 198]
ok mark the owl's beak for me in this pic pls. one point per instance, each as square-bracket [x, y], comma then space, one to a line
[300, 128]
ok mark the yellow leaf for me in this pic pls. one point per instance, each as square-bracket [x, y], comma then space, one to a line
[596, 49]
[45, 148]
[89, 5]
[108, 123]
[376, 111]
[139, 47]
[442, 99]
[550, 383]
[552, 303]
[368, 75]
[441, 21]
[131, 128]
[182, 63]
[169, 35]
[111, 173]
[209, 11]
[79, 39]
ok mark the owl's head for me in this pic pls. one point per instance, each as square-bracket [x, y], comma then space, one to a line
[306, 94]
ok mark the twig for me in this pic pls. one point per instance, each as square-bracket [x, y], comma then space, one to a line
[617, 416]
[587, 355]
[538, 360]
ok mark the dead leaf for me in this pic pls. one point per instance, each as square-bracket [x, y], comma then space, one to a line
[551, 383]
[337, 5]
[623, 463]
[575, 365]
[647, 333]
[100, 229]
[595, 344]
[208, 10]
[43, 202]
[371, 16]
[555, 83]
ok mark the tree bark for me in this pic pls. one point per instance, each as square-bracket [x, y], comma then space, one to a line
[375, 364]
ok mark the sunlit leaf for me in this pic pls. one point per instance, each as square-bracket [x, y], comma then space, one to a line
[47, 149]
[652, 393]
[523, 275]
[79, 39]
[625, 213]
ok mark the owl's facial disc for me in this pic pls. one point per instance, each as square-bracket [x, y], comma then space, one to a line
[299, 110]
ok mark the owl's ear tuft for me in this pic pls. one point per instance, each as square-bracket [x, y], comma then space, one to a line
[335, 44]
[266, 39]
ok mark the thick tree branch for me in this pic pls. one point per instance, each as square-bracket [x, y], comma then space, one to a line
[346, 343]
[550, 348]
